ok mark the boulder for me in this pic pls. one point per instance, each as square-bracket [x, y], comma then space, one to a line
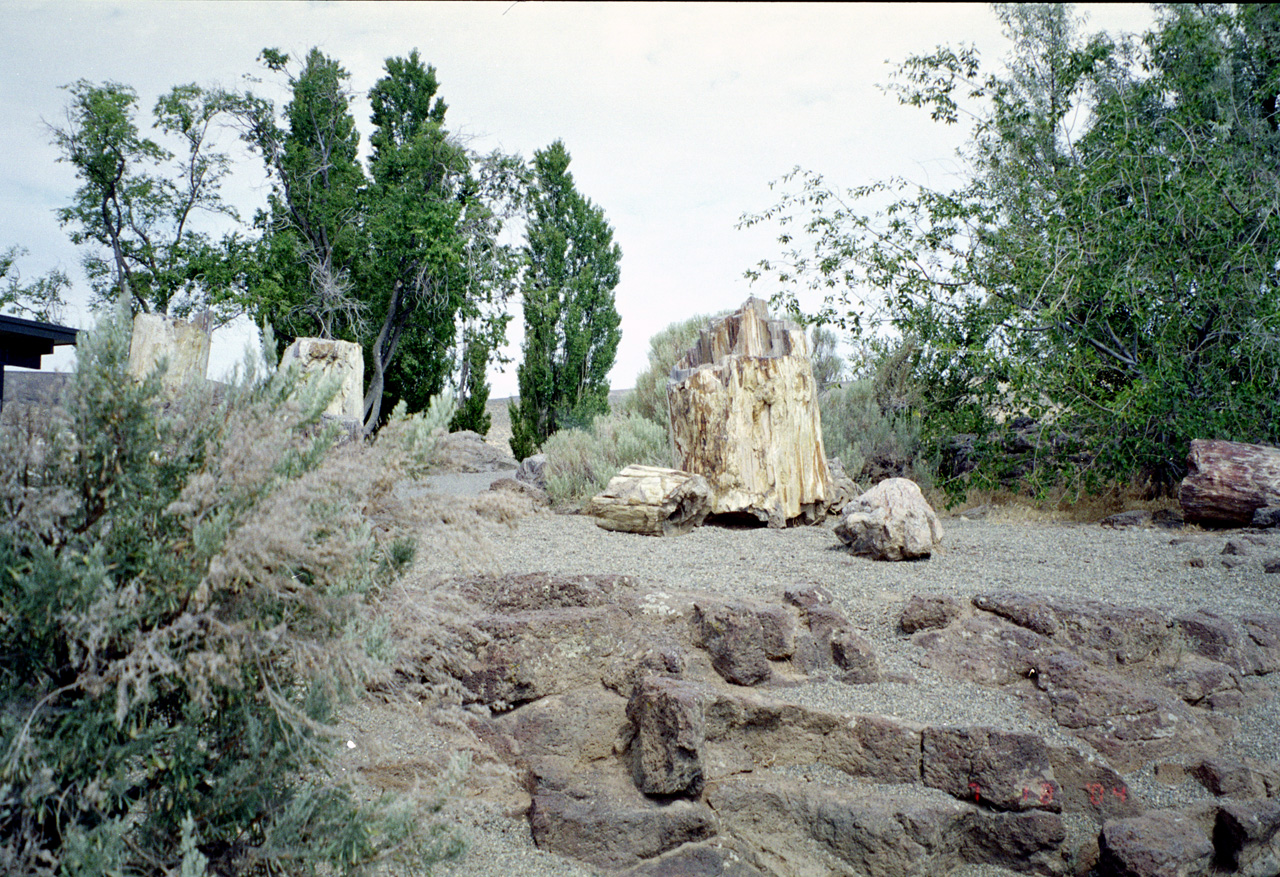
[1162, 843]
[652, 501]
[734, 637]
[325, 360]
[467, 451]
[670, 736]
[891, 521]
[744, 415]
[926, 612]
[183, 345]
[998, 769]
[1247, 837]
[532, 470]
[602, 819]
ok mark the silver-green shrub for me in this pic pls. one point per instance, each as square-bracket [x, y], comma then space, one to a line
[580, 462]
[187, 594]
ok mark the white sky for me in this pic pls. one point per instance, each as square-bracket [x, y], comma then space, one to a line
[677, 116]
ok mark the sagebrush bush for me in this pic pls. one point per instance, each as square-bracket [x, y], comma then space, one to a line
[186, 599]
[649, 398]
[580, 462]
[871, 442]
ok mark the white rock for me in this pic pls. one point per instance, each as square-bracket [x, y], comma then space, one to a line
[891, 521]
[184, 345]
[321, 357]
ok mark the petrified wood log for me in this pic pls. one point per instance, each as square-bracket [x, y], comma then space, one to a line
[744, 414]
[652, 501]
[1227, 481]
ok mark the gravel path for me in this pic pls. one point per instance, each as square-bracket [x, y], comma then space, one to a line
[1138, 567]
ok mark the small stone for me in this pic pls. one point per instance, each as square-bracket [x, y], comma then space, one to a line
[1271, 565]
[1196, 563]
[926, 612]
[1266, 517]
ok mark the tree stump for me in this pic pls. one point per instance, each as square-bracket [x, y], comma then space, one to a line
[744, 415]
[652, 501]
[1227, 481]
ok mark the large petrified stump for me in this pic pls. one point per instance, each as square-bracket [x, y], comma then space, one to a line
[744, 415]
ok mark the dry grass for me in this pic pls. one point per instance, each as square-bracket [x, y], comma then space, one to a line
[1059, 505]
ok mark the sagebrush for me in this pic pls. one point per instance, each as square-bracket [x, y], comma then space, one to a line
[580, 462]
[188, 593]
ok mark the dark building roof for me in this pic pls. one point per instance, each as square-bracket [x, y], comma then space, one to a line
[23, 342]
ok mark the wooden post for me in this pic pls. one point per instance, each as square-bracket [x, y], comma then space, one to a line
[1227, 481]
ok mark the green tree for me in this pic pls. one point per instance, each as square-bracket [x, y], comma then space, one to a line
[312, 233]
[1108, 267]
[138, 202]
[570, 322]
[405, 259]
[40, 299]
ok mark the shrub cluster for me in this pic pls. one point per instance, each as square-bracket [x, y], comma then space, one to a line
[186, 599]
[580, 462]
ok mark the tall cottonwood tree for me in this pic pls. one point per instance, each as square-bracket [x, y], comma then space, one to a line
[570, 321]
[1108, 267]
[403, 258]
[139, 204]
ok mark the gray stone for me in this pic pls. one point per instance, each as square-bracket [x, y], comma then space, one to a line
[467, 451]
[1161, 843]
[928, 611]
[891, 521]
[1266, 517]
[532, 470]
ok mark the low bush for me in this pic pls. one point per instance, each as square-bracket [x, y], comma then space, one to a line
[187, 597]
[580, 462]
[649, 398]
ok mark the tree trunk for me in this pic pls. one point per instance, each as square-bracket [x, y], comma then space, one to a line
[652, 501]
[744, 414]
[1227, 481]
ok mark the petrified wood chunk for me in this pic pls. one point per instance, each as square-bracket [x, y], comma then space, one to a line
[744, 414]
[1227, 481]
[652, 501]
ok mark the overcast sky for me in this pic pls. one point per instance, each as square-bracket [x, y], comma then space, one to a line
[677, 116]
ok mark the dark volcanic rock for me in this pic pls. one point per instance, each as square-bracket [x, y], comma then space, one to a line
[925, 612]
[806, 828]
[734, 637]
[1247, 837]
[995, 768]
[1226, 777]
[604, 820]
[670, 736]
[1161, 843]
[718, 857]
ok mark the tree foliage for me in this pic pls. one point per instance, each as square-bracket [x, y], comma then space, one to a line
[187, 598]
[404, 258]
[139, 204]
[1108, 267]
[40, 299]
[570, 322]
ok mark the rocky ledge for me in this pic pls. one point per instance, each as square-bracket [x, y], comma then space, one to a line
[653, 732]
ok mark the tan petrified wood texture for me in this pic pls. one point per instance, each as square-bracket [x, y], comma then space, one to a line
[1227, 481]
[652, 501]
[744, 415]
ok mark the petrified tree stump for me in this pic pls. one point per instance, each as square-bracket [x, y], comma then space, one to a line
[1227, 481]
[744, 414]
[652, 501]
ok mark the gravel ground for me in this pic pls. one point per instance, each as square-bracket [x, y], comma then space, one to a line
[1139, 567]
